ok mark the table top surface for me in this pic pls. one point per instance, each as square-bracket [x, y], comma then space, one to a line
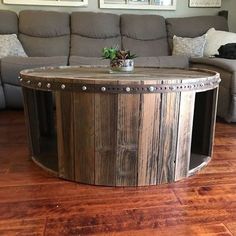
[97, 79]
[103, 74]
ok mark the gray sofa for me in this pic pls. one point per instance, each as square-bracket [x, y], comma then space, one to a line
[54, 38]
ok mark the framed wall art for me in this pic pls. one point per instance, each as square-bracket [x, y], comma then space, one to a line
[65, 3]
[204, 3]
[139, 4]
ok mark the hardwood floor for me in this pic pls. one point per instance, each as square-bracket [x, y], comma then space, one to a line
[33, 202]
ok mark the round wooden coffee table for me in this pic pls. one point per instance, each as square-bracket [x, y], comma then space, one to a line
[148, 127]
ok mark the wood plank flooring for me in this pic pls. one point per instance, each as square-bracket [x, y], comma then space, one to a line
[33, 202]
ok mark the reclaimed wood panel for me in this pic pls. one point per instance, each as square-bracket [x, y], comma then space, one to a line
[105, 138]
[186, 112]
[31, 120]
[65, 134]
[46, 113]
[213, 107]
[84, 140]
[149, 136]
[169, 119]
[127, 139]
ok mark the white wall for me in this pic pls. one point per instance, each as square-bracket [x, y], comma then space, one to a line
[182, 10]
[230, 5]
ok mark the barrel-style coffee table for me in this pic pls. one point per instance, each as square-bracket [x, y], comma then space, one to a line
[148, 127]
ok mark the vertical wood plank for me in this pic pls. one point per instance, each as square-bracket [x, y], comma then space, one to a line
[65, 134]
[84, 138]
[46, 113]
[168, 133]
[105, 138]
[127, 139]
[149, 133]
[213, 119]
[31, 120]
[184, 139]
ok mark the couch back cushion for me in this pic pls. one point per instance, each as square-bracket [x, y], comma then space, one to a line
[144, 35]
[8, 22]
[93, 31]
[192, 27]
[44, 33]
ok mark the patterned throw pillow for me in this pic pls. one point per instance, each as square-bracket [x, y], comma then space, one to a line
[11, 46]
[192, 47]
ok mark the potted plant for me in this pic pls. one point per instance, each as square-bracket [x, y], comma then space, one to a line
[120, 60]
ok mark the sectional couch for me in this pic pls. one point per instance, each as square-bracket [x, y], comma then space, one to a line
[55, 38]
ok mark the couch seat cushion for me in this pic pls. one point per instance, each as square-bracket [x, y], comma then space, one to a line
[11, 66]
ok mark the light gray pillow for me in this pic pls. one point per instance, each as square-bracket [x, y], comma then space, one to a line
[11, 46]
[192, 47]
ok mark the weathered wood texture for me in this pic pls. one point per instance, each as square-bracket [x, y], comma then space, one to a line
[105, 139]
[127, 139]
[169, 120]
[32, 121]
[65, 134]
[84, 136]
[131, 137]
[149, 136]
[33, 202]
[184, 139]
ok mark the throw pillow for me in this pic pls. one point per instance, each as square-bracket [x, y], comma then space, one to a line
[11, 46]
[192, 47]
[215, 39]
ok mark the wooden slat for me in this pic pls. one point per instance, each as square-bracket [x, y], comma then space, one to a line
[65, 134]
[84, 107]
[149, 132]
[105, 138]
[31, 120]
[184, 134]
[127, 139]
[168, 134]
[213, 119]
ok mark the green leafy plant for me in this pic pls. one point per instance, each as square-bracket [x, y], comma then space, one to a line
[116, 54]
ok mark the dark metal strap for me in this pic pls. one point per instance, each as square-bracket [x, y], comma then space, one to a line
[116, 88]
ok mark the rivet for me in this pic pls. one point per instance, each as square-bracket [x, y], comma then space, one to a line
[103, 89]
[39, 84]
[84, 88]
[48, 85]
[151, 88]
[21, 79]
[127, 89]
[28, 82]
[63, 86]
[201, 84]
[172, 88]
